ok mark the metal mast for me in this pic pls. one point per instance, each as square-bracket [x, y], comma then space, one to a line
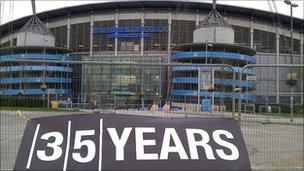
[33, 7]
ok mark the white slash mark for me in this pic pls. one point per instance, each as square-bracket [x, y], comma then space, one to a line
[100, 144]
[29, 160]
[67, 147]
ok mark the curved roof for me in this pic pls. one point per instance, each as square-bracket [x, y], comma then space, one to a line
[262, 16]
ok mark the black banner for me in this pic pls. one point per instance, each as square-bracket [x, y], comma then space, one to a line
[125, 142]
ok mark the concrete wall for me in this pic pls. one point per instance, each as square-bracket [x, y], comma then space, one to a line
[213, 34]
[34, 39]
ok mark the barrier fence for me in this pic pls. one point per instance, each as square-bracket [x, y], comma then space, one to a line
[269, 108]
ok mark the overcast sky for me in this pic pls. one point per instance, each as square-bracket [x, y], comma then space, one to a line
[13, 9]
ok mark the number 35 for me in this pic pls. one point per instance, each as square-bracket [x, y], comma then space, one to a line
[78, 144]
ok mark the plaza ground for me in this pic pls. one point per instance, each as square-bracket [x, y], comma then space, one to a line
[273, 145]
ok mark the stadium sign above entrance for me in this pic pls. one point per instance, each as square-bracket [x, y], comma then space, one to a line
[129, 32]
[126, 142]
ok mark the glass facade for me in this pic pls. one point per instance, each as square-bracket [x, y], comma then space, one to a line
[60, 36]
[102, 42]
[127, 84]
[264, 41]
[157, 41]
[242, 35]
[80, 37]
[285, 46]
[182, 31]
[129, 44]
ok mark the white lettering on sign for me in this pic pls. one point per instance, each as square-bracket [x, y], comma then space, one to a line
[196, 139]
[234, 151]
[166, 148]
[119, 142]
[89, 144]
[55, 146]
[193, 144]
[141, 143]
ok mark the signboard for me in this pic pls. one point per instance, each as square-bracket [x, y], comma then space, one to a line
[129, 31]
[125, 142]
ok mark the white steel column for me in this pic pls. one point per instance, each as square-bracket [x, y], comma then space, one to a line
[169, 36]
[251, 33]
[277, 61]
[302, 62]
[142, 37]
[68, 31]
[168, 59]
[91, 33]
[116, 40]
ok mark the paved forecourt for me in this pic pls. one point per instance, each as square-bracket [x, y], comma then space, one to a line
[270, 146]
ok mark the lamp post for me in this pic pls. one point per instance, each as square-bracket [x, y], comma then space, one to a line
[291, 80]
[292, 5]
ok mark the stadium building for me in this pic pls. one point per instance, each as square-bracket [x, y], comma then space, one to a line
[147, 30]
[211, 87]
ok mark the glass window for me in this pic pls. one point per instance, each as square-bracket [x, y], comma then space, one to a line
[129, 44]
[60, 34]
[101, 41]
[264, 41]
[285, 46]
[242, 35]
[80, 37]
[182, 31]
[157, 41]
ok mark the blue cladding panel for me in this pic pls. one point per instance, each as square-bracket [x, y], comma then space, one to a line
[229, 95]
[7, 68]
[221, 55]
[224, 69]
[9, 92]
[35, 68]
[36, 57]
[192, 80]
[35, 80]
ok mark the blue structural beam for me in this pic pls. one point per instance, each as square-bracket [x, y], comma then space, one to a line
[229, 95]
[223, 69]
[35, 80]
[9, 92]
[191, 80]
[213, 55]
[35, 68]
[7, 58]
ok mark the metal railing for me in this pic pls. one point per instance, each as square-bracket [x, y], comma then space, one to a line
[272, 140]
